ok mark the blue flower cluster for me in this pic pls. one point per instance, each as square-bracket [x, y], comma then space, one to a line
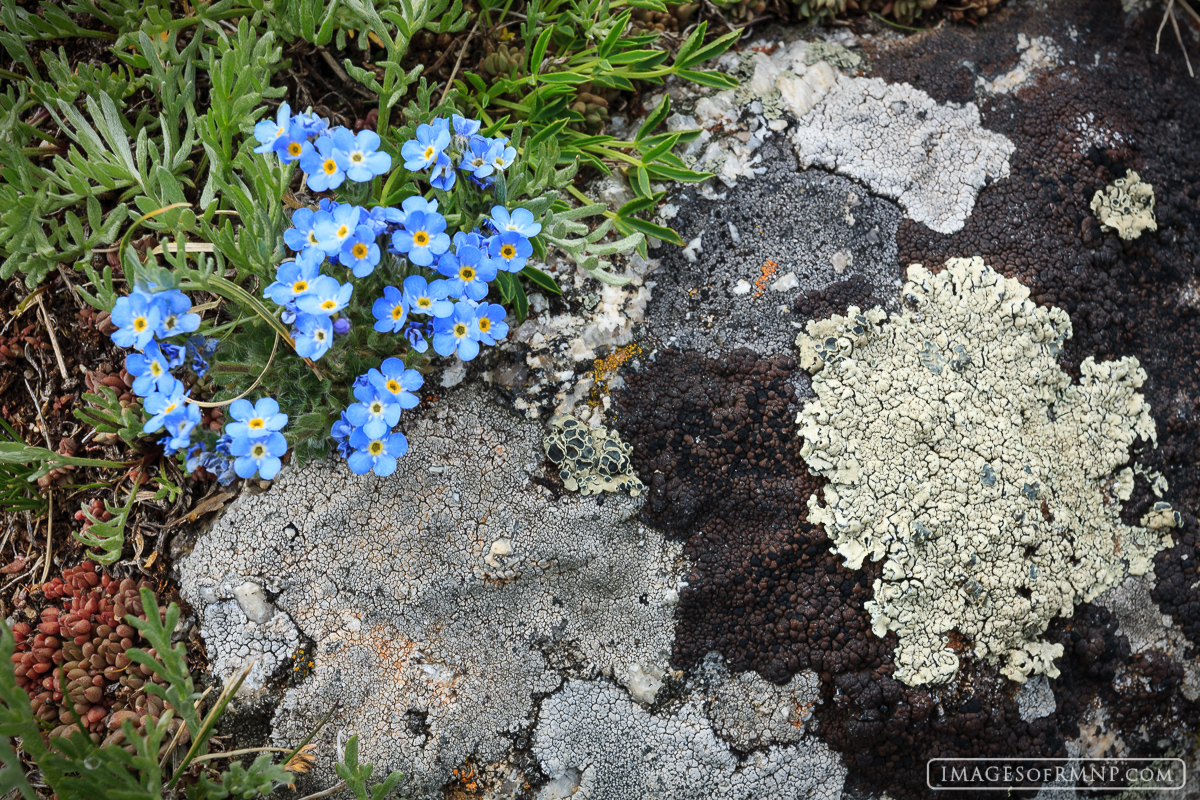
[145, 319]
[364, 433]
[337, 154]
[445, 277]
[439, 151]
[250, 444]
[457, 318]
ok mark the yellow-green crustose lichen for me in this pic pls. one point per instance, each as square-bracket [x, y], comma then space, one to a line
[961, 454]
[590, 460]
[1126, 206]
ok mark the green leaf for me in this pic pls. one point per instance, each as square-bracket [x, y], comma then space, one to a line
[553, 130]
[567, 78]
[507, 282]
[717, 80]
[691, 43]
[639, 204]
[539, 51]
[641, 182]
[711, 50]
[520, 301]
[650, 229]
[610, 41]
[109, 536]
[541, 279]
[662, 171]
[655, 117]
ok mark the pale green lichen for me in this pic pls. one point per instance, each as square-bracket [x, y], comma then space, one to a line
[833, 54]
[960, 454]
[590, 460]
[1127, 206]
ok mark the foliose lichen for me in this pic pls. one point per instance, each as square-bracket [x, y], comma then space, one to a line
[1126, 206]
[590, 460]
[960, 453]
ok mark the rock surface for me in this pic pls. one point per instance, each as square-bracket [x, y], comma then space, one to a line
[708, 633]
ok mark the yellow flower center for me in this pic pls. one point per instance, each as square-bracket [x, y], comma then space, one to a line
[170, 408]
[155, 368]
[256, 424]
[294, 148]
[467, 274]
[460, 330]
[312, 237]
[424, 302]
[359, 250]
[429, 151]
[300, 286]
[329, 305]
[420, 238]
[397, 311]
[258, 450]
[393, 386]
[140, 324]
[356, 158]
[279, 132]
[485, 324]
[330, 166]
[508, 251]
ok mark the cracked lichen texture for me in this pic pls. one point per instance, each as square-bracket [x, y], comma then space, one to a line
[958, 451]
[931, 158]
[603, 746]
[748, 711]
[443, 598]
[1126, 206]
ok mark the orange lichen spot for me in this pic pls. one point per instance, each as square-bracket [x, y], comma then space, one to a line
[464, 784]
[760, 285]
[604, 369]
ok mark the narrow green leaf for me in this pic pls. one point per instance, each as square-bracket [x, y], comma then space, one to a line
[536, 276]
[539, 51]
[650, 229]
[710, 50]
[718, 80]
[610, 41]
[655, 118]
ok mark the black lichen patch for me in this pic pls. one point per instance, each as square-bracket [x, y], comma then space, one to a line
[714, 441]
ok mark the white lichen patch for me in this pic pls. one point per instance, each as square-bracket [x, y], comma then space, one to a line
[590, 460]
[443, 599]
[932, 158]
[748, 711]
[249, 631]
[1147, 628]
[960, 454]
[595, 743]
[1037, 55]
[1126, 206]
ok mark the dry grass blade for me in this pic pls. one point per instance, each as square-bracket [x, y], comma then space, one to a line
[1169, 15]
